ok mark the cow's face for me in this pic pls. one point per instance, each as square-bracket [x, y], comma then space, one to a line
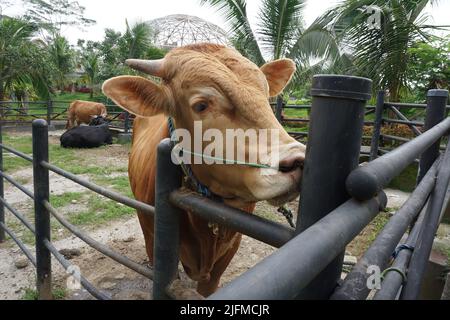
[222, 90]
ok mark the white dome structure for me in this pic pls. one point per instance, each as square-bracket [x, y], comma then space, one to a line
[179, 30]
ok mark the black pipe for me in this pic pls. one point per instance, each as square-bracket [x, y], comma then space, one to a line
[19, 216]
[100, 247]
[333, 151]
[17, 184]
[167, 222]
[354, 286]
[377, 125]
[17, 153]
[253, 226]
[279, 109]
[288, 270]
[19, 243]
[393, 281]
[41, 214]
[414, 129]
[100, 190]
[437, 100]
[366, 181]
[2, 185]
[66, 265]
[419, 259]
[405, 122]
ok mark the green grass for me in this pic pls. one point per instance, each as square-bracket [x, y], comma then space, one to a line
[31, 294]
[377, 225]
[100, 211]
[120, 184]
[406, 181]
[65, 199]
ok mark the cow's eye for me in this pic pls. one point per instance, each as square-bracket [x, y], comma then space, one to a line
[200, 107]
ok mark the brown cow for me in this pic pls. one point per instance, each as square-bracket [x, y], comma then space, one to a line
[82, 112]
[224, 90]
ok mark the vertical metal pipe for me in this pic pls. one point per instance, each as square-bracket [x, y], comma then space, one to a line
[42, 216]
[377, 125]
[49, 111]
[335, 135]
[279, 109]
[437, 101]
[167, 225]
[127, 122]
[2, 206]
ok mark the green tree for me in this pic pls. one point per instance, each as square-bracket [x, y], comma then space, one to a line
[22, 60]
[280, 32]
[90, 64]
[377, 35]
[136, 40]
[429, 66]
[53, 15]
[62, 58]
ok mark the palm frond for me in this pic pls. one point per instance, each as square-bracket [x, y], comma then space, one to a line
[235, 13]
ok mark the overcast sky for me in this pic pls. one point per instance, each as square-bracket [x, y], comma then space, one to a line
[112, 13]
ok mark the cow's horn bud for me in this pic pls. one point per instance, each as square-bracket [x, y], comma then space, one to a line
[151, 67]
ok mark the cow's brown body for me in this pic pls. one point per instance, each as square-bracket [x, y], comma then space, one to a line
[82, 112]
[204, 254]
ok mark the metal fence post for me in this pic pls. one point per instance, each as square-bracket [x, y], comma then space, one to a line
[167, 226]
[127, 122]
[377, 126]
[2, 207]
[42, 216]
[337, 114]
[436, 104]
[279, 108]
[49, 111]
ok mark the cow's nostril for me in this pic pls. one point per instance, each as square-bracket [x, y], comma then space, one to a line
[290, 164]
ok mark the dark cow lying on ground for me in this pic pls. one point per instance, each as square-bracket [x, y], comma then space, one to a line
[92, 136]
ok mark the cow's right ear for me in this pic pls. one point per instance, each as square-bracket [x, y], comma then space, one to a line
[138, 95]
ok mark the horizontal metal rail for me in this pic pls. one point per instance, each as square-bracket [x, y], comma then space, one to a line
[99, 246]
[256, 227]
[145, 208]
[366, 181]
[291, 268]
[406, 122]
[83, 281]
[19, 243]
[354, 286]
[17, 184]
[18, 215]
[17, 153]
[393, 281]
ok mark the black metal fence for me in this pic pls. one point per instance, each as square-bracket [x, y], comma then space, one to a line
[13, 114]
[44, 211]
[308, 263]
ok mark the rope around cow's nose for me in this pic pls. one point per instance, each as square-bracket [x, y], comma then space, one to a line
[224, 160]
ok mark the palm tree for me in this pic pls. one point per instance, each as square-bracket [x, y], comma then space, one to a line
[90, 64]
[379, 51]
[136, 41]
[22, 60]
[62, 58]
[279, 33]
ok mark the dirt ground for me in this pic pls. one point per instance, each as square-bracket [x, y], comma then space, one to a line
[123, 235]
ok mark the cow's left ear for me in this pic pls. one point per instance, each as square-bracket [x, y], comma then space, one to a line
[138, 95]
[278, 74]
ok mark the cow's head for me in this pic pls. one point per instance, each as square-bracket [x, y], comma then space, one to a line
[98, 121]
[222, 89]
